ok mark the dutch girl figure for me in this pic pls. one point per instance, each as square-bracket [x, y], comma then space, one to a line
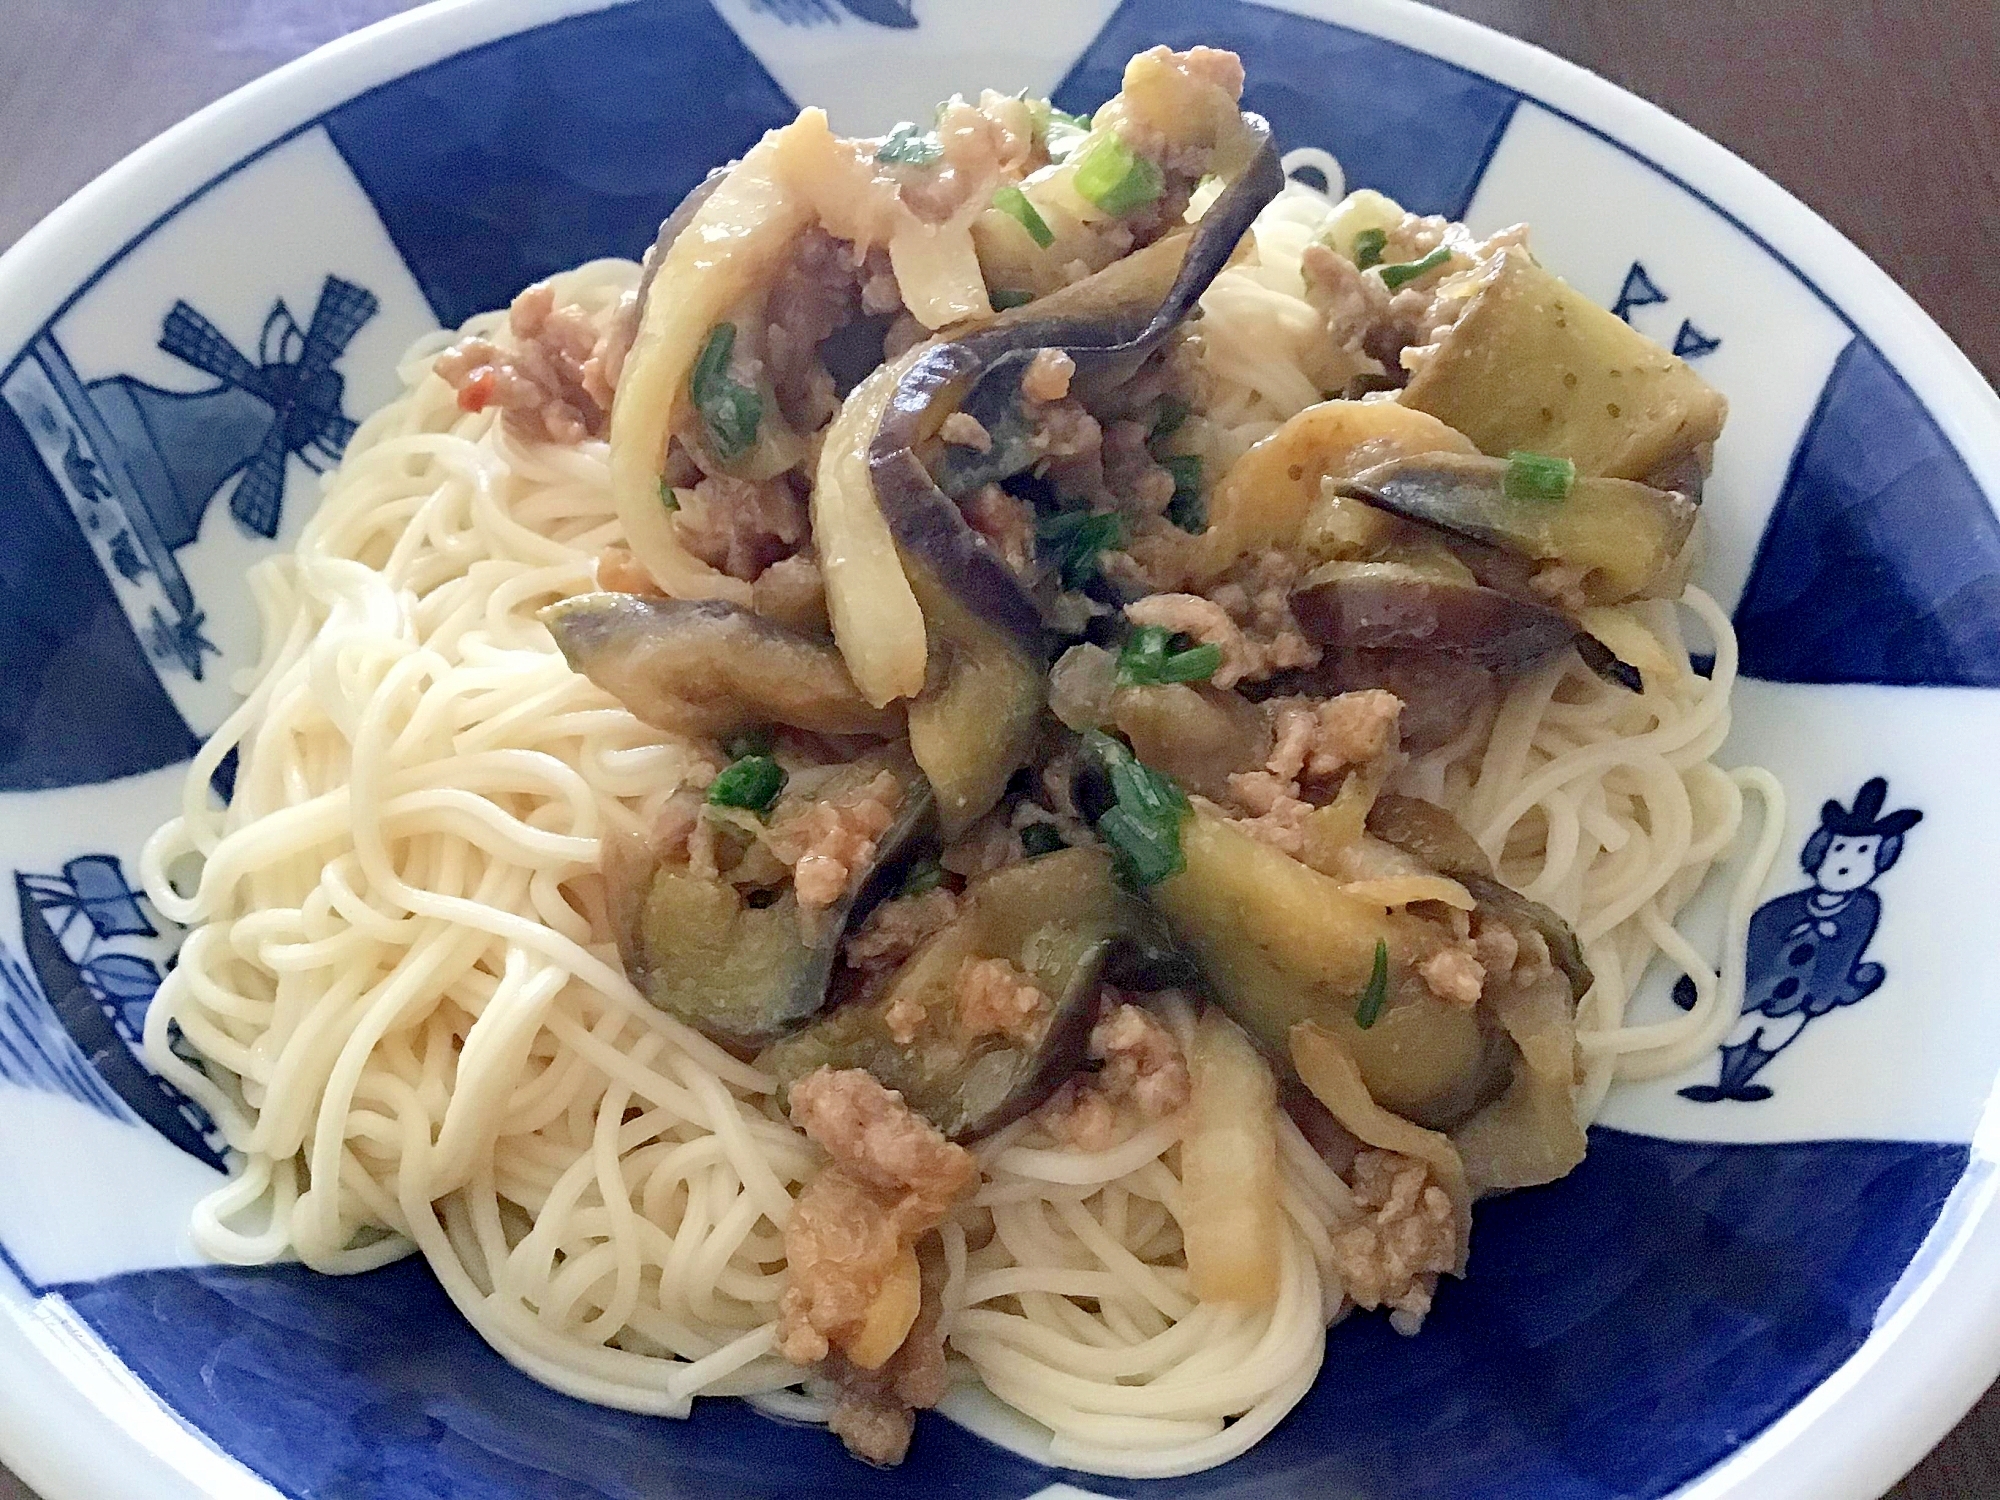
[1805, 948]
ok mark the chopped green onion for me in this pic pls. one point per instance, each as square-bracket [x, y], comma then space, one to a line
[908, 146]
[1368, 247]
[1111, 176]
[1144, 827]
[1014, 203]
[1147, 660]
[1196, 664]
[1006, 297]
[730, 412]
[1538, 476]
[749, 742]
[1167, 420]
[1376, 992]
[1076, 539]
[668, 499]
[752, 782]
[1038, 839]
[1187, 509]
[1410, 270]
[925, 875]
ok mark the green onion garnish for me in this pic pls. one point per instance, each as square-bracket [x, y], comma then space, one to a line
[728, 410]
[1144, 827]
[1538, 476]
[668, 499]
[1038, 839]
[1368, 247]
[1007, 297]
[1150, 659]
[908, 146]
[1111, 176]
[1014, 203]
[1410, 270]
[749, 742]
[1187, 509]
[1168, 418]
[1376, 992]
[1075, 539]
[925, 875]
[752, 783]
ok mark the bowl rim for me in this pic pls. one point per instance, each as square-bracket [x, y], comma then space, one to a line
[76, 1424]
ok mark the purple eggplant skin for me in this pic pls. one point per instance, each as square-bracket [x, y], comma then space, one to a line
[1391, 606]
[742, 976]
[981, 373]
[670, 230]
[1065, 920]
[706, 666]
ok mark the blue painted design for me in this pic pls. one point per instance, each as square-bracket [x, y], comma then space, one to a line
[79, 702]
[1881, 560]
[139, 465]
[1691, 343]
[1805, 948]
[79, 930]
[1409, 125]
[1621, 1331]
[895, 14]
[37, 1052]
[1637, 291]
[545, 173]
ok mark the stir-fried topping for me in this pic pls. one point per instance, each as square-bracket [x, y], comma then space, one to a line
[1046, 670]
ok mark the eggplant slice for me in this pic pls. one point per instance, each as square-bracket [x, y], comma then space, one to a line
[1067, 923]
[1625, 540]
[706, 666]
[742, 974]
[1376, 606]
[1107, 324]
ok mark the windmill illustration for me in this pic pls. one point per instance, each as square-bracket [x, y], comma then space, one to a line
[140, 464]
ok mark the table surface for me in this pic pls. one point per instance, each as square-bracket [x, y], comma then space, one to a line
[1886, 119]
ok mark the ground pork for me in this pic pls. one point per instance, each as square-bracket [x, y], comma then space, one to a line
[890, 1177]
[963, 430]
[1404, 1238]
[1144, 1073]
[828, 840]
[1142, 1060]
[1352, 729]
[995, 997]
[1257, 595]
[1248, 616]
[1454, 975]
[1047, 376]
[740, 526]
[874, 1411]
[1523, 956]
[1353, 310]
[552, 377]
[1005, 521]
[896, 929]
[978, 144]
[823, 287]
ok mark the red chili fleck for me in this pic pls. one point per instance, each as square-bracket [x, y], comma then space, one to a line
[476, 392]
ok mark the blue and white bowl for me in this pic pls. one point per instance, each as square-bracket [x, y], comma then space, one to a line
[1774, 1276]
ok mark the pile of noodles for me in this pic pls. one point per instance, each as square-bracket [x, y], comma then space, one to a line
[419, 1037]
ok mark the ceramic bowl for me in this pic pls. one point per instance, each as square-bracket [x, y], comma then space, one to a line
[1776, 1275]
